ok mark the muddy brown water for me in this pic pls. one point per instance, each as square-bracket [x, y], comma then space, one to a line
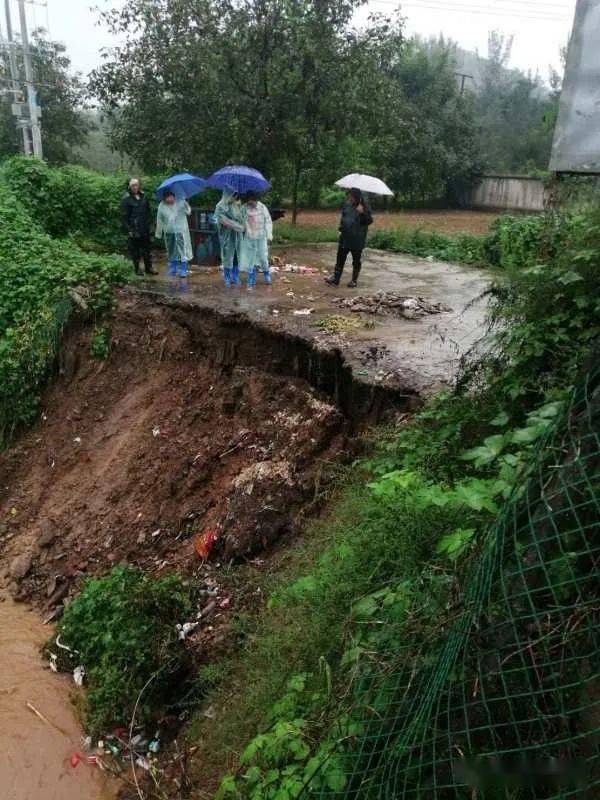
[35, 754]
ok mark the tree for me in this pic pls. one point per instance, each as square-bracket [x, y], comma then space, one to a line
[60, 93]
[515, 111]
[203, 83]
[288, 86]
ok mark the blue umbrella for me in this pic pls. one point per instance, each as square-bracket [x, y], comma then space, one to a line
[182, 186]
[239, 179]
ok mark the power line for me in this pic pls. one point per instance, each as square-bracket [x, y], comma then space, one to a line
[438, 5]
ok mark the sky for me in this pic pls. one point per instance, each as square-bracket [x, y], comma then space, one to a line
[540, 27]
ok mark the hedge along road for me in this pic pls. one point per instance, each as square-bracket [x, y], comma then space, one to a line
[39, 733]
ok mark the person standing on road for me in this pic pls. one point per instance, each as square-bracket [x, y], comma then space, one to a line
[137, 220]
[356, 218]
[172, 224]
[231, 224]
[259, 232]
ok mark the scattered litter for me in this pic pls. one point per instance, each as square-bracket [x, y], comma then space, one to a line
[87, 743]
[79, 675]
[299, 269]
[154, 746]
[156, 533]
[183, 631]
[225, 603]
[392, 304]
[77, 440]
[290, 294]
[275, 312]
[156, 431]
[138, 742]
[93, 761]
[53, 664]
[75, 759]
[303, 312]
[431, 259]
[63, 646]
[205, 543]
[143, 763]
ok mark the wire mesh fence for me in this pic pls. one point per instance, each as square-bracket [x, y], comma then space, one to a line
[502, 698]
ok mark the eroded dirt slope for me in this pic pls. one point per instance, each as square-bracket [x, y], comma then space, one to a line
[136, 456]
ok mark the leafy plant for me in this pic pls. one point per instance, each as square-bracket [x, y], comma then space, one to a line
[100, 342]
[123, 628]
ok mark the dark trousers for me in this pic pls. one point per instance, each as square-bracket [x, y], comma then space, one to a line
[342, 255]
[140, 247]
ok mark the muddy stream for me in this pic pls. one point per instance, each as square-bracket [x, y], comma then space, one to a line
[36, 751]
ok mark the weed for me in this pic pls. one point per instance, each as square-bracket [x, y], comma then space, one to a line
[123, 627]
[100, 342]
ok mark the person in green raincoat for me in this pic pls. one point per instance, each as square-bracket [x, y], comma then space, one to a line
[230, 217]
[172, 225]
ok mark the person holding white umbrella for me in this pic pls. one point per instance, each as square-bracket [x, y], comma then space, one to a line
[354, 224]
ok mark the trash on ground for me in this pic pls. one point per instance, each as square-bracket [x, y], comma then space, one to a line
[156, 431]
[391, 303]
[79, 675]
[205, 543]
[303, 312]
[75, 760]
[183, 631]
[154, 746]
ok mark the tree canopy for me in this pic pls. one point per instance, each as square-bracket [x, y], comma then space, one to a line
[290, 87]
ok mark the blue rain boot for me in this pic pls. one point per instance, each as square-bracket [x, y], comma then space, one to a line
[183, 270]
[172, 271]
[251, 278]
[235, 275]
[227, 276]
[267, 277]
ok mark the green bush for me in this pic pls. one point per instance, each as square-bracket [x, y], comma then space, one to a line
[72, 201]
[463, 248]
[37, 273]
[123, 628]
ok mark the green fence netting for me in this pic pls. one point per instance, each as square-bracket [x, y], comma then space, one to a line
[502, 699]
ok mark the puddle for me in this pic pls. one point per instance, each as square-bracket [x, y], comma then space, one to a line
[35, 761]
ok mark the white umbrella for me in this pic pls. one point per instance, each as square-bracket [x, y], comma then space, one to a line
[366, 183]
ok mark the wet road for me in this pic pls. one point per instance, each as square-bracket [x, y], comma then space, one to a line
[35, 753]
[425, 351]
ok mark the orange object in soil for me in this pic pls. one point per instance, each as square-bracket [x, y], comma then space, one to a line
[205, 543]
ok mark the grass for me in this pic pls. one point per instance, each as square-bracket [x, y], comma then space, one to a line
[286, 233]
[362, 542]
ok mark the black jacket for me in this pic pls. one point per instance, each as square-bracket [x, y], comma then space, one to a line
[354, 226]
[137, 214]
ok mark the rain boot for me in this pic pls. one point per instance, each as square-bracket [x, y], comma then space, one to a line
[227, 276]
[235, 275]
[183, 270]
[251, 278]
[172, 271]
[267, 277]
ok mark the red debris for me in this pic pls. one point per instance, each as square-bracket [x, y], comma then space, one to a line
[75, 759]
[205, 543]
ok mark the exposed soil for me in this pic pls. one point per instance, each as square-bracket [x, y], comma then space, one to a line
[442, 221]
[173, 436]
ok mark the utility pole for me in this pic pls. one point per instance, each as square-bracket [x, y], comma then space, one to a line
[15, 89]
[35, 111]
[463, 76]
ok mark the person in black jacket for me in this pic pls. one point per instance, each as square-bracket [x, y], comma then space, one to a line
[356, 218]
[137, 220]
